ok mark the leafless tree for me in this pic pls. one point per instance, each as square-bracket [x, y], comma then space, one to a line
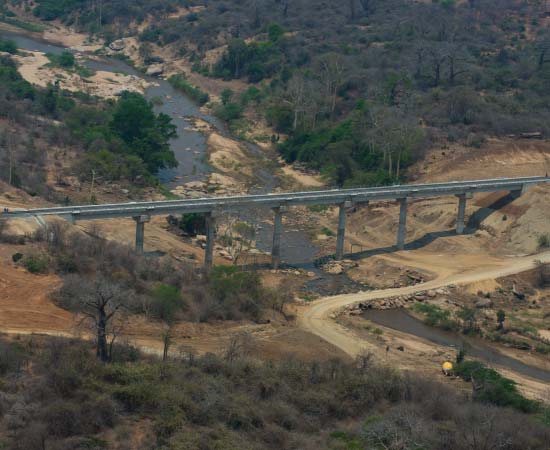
[332, 74]
[295, 97]
[239, 346]
[101, 302]
[237, 236]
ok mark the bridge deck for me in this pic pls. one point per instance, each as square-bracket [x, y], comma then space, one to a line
[331, 197]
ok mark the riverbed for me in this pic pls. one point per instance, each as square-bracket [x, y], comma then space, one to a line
[401, 320]
[190, 147]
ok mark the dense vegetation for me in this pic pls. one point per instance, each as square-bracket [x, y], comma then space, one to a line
[117, 140]
[54, 395]
[362, 87]
[108, 283]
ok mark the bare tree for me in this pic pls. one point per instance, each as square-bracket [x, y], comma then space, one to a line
[240, 345]
[101, 302]
[295, 97]
[332, 73]
[237, 236]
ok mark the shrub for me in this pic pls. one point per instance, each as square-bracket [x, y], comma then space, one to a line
[11, 358]
[240, 293]
[229, 111]
[36, 263]
[137, 396]
[8, 46]
[166, 302]
[193, 223]
[16, 257]
[435, 316]
[491, 387]
[543, 240]
[179, 82]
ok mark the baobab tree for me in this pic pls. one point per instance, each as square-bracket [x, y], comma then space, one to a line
[101, 303]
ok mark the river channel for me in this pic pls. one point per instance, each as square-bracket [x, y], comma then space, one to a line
[190, 147]
[401, 320]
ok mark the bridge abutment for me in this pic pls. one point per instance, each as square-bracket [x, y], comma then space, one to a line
[402, 230]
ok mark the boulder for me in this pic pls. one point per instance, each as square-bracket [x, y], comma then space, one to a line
[484, 303]
[155, 70]
[335, 269]
[117, 45]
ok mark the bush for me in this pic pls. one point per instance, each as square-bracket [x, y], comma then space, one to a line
[239, 293]
[11, 358]
[137, 396]
[16, 257]
[491, 387]
[193, 223]
[229, 111]
[36, 263]
[543, 240]
[435, 316]
[166, 302]
[8, 46]
[179, 82]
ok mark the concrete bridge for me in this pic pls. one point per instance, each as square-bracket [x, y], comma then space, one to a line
[279, 203]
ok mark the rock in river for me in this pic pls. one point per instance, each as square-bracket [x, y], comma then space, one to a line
[117, 45]
[155, 70]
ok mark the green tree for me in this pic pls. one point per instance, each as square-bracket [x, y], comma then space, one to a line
[8, 46]
[240, 292]
[226, 96]
[501, 317]
[275, 32]
[66, 59]
[469, 316]
[167, 301]
[145, 134]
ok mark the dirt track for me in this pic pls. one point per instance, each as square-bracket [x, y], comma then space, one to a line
[316, 318]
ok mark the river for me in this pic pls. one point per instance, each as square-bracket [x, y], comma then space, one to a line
[190, 147]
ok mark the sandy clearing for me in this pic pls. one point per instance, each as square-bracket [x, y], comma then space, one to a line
[68, 37]
[301, 178]
[227, 156]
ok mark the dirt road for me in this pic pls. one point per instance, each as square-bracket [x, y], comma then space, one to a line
[316, 317]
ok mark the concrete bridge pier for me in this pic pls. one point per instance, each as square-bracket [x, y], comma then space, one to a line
[140, 232]
[460, 224]
[402, 231]
[277, 232]
[210, 237]
[341, 237]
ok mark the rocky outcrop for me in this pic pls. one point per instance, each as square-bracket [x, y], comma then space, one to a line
[484, 303]
[155, 70]
[396, 302]
[339, 267]
[117, 46]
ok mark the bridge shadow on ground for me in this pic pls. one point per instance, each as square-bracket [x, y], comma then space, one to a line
[471, 227]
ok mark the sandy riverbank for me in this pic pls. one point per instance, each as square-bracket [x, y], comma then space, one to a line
[36, 69]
